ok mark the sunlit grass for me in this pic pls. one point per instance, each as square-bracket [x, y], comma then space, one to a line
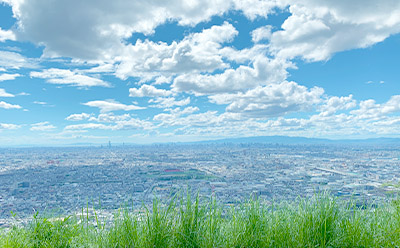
[322, 221]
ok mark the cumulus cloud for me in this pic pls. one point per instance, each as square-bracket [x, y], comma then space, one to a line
[111, 105]
[5, 76]
[176, 119]
[42, 126]
[4, 126]
[262, 72]
[162, 80]
[271, 100]
[78, 117]
[256, 8]
[168, 102]
[198, 52]
[115, 122]
[67, 77]
[149, 91]
[6, 105]
[392, 106]
[334, 103]
[99, 27]
[317, 29]
[110, 117]
[88, 126]
[15, 60]
[133, 124]
[173, 118]
[3, 93]
[369, 109]
[261, 33]
[6, 35]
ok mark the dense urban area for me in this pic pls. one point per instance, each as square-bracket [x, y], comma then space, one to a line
[108, 177]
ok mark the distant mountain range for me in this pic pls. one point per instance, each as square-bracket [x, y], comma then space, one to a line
[302, 140]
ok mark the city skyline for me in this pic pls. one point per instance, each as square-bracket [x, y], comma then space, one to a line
[143, 72]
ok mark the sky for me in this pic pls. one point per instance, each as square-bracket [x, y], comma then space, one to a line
[124, 71]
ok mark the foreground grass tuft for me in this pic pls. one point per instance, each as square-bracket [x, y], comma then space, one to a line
[322, 221]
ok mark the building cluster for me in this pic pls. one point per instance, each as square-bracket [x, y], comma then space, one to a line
[67, 179]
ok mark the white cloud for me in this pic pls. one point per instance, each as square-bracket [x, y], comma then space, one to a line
[8, 126]
[372, 82]
[99, 27]
[6, 35]
[314, 30]
[262, 72]
[175, 119]
[369, 109]
[149, 91]
[111, 105]
[189, 121]
[168, 102]
[12, 49]
[198, 52]
[334, 103]
[5, 77]
[42, 126]
[23, 94]
[257, 8]
[133, 124]
[5, 105]
[67, 77]
[116, 122]
[78, 117]
[15, 60]
[261, 33]
[246, 55]
[185, 111]
[3, 93]
[88, 126]
[40, 103]
[162, 80]
[317, 29]
[110, 117]
[392, 106]
[101, 68]
[271, 100]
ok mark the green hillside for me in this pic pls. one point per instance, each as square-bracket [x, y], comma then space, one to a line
[322, 221]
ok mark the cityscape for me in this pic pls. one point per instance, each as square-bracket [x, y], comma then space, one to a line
[66, 179]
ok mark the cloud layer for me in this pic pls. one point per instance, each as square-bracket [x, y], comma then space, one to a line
[202, 83]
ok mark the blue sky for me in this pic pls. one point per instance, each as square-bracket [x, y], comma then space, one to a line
[143, 72]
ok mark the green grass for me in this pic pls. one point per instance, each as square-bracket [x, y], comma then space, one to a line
[322, 221]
